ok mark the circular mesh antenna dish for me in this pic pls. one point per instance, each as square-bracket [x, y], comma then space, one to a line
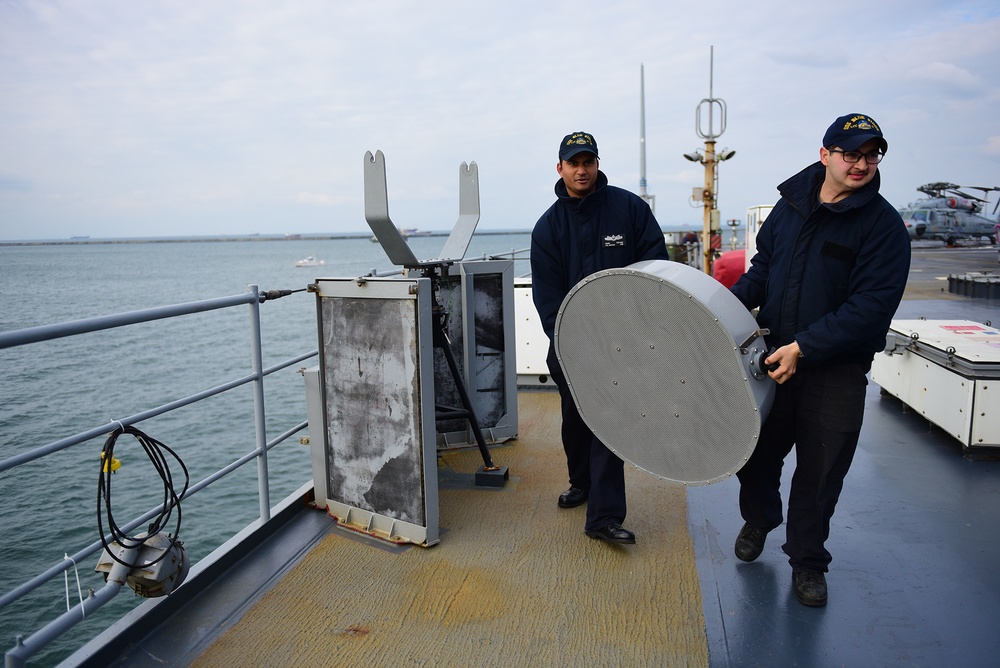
[663, 364]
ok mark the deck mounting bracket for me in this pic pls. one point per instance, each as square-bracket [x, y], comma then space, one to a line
[399, 252]
[388, 235]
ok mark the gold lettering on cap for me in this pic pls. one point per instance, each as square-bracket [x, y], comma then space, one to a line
[861, 123]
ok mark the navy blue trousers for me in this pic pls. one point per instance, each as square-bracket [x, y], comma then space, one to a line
[592, 466]
[818, 411]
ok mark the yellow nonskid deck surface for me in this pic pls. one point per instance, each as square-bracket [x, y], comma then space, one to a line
[513, 582]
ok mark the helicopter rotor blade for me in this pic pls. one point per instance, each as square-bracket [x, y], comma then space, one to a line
[968, 196]
[986, 190]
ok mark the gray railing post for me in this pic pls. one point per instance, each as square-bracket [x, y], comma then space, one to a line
[257, 362]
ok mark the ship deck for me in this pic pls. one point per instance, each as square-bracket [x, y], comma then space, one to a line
[515, 581]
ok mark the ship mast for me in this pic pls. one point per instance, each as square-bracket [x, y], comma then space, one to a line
[709, 193]
[649, 199]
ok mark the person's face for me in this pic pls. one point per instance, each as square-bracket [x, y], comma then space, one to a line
[579, 173]
[845, 177]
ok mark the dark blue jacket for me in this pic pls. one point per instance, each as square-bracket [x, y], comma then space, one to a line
[575, 238]
[828, 276]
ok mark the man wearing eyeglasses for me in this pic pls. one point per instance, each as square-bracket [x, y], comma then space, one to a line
[831, 265]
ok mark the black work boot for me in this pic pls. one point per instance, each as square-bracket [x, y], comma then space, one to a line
[750, 543]
[810, 588]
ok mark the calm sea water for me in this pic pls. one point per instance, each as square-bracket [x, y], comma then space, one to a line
[58, 388]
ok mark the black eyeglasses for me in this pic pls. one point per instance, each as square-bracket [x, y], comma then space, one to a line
[872, 157]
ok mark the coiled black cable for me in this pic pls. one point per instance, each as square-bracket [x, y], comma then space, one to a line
[171, 499]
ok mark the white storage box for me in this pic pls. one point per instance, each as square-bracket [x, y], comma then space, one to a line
[949, 372]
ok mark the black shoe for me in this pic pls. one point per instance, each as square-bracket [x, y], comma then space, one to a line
[572, 497]
[613, 533]
[750, 543]
[810, 588]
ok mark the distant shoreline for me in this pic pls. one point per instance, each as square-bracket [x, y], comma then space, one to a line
[82, 241]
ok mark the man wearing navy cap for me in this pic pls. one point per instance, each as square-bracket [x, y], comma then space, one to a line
[830, 269]
[592, 226]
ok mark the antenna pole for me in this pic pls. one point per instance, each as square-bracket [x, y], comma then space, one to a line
[649, 199]
[710, 159]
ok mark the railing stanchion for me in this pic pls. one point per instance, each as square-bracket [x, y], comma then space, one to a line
[258, 407]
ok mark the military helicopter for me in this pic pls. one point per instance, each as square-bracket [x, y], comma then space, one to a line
[950, 214]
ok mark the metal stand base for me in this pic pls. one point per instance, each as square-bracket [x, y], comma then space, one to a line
[495, 477]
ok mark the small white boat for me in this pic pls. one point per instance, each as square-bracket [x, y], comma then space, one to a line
[309, 261]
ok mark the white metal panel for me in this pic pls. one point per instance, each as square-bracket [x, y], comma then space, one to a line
[532, 344]
[373, 288]
[317, 442]
[942, 396]
[945, 369]
[986, 417]
[967, 342]
[756, 215]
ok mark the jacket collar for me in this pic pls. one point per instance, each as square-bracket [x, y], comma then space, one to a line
[560, 188]
[802, 191]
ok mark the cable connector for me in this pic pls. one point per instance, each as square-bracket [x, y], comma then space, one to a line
[270, 295]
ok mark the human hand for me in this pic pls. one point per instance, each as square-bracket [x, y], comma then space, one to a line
[787, 359]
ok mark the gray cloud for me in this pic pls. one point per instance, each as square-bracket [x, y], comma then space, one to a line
[224, 117]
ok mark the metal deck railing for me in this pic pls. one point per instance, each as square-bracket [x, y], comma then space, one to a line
[27, 647]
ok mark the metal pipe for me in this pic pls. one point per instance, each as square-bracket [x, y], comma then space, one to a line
[642, 133]
[26, 648]
[708, 198]
[260, 429]
[103, 429]
[20, 337]
[106, 428]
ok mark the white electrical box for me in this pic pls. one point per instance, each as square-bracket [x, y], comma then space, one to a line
[949, 372]
[532, 344]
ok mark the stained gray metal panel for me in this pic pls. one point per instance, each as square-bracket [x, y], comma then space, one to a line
[381, 459]
[491, 369]
[478, 296]
[652, 356]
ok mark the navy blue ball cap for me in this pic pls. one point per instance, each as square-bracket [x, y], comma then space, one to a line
[851, 131]
[577, 142]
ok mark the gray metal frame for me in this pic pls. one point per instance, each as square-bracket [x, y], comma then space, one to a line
[378, 426]
[388, 235]
[479, 319]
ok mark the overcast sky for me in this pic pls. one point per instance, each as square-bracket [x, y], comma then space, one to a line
[210, 117]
